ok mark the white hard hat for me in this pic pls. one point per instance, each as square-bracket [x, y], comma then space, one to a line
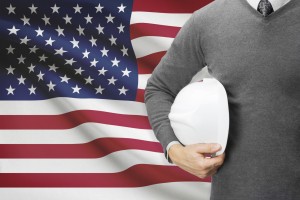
[200, 114]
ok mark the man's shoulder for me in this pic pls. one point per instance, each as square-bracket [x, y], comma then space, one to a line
[213, 9]
[215, 13]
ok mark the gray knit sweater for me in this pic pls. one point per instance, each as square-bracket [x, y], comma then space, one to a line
[257, 60]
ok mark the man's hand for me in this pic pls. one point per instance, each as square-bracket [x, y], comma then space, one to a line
[191, 158]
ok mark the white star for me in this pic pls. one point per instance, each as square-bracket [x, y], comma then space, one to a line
[67, 19]
[75, 43]
[121, 8]
[24, 40]
[64, 79]
[77, 9]
[40, 76]
[102, 71]
[33, 9]
[32, 89]
[80, 30]
[21, 59]
[100, 29]
[121, 28]
[55, 9]
[31, 68]
[25, 20]
[60, 51]
[49, 42]
[125, 51]
[10, 70]
[79, 71]
[53, 68]
[88, 19]
[39, 32]
[10, 49]
[113, 40]
[33, 49]
[88, 80]
[94, 63]
[126, 72]
[70, 62]
[13, 30]
[46, 20]
[104, 52]
[123, 91]
[76, 89]
[93, 41]
[115, 62]
[43, 58]
[10, 90]
[112, 80]
[51, 86]
[60, 31]
[99, 8]
[21, 80]
[99, 89]
[110, 18]
[86, 54]
[11, 9]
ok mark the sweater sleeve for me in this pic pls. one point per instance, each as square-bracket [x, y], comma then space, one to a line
[175, 70]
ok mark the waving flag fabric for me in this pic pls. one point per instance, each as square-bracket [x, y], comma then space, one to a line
[73, 124]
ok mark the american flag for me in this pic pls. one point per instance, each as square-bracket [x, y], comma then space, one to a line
[72, 119]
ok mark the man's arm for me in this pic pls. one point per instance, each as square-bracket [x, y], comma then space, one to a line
[182, 61]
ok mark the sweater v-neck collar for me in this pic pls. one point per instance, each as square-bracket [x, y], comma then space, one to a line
[276, 4]
[268, 18]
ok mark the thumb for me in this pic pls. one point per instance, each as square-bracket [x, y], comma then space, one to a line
[208, 148]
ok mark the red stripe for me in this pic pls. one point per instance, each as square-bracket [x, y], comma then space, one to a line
[136, 176]
[71, 120]
[140, 95]
[147, 63]
[143, 29]
[95, 149]
[169, 6]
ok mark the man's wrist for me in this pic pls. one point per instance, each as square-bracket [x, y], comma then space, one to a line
[168, 148]
[174, 152]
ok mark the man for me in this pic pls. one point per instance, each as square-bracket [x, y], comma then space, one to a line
[253, 49]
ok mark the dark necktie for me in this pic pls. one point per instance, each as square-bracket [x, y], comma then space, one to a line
[265, 7]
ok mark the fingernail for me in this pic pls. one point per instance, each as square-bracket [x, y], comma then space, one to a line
[216, 147]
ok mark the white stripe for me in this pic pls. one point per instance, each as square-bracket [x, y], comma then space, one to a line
[78, 135]
[143, 78]
[112, 163]
[165, 191]
[168, 19]
[62, 105]
[144, 46]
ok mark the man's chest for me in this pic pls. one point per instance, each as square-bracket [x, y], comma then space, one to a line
[255, 59]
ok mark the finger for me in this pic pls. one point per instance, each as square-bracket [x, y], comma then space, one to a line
[214, 162]
[207, 173]
[208, 148]
[209, 155]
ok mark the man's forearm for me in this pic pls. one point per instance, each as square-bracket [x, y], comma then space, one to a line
[176, 69]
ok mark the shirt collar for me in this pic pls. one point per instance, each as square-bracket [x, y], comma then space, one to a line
[276, 4]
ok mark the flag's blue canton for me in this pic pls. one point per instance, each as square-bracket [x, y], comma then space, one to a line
[66, 48]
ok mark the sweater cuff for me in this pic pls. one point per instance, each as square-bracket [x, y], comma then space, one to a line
[165, 136]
